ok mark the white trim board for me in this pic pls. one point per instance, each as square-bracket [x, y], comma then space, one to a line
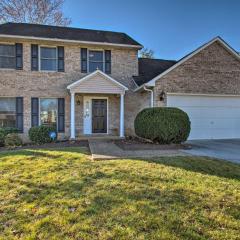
[202, 94]
[72, 41]
[95, 73]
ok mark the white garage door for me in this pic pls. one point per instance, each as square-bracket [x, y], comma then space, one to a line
[211, 117]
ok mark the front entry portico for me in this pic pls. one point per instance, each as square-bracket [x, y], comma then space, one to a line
[99, 94]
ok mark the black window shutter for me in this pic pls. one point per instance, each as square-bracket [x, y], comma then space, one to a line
[34, 57]
[83, 60]
[108, 61]
[35, 112]
[60, 59]
[19, 114]
[19, 56]
[61, 115]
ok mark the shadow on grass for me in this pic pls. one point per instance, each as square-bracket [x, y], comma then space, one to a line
[53, 153]
[109, 203]
[204, 165]
[115, 195]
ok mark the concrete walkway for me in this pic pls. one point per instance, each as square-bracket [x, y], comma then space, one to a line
[106, 149]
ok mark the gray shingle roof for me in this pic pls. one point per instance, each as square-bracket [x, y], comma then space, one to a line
[150, 68]
[66, 33]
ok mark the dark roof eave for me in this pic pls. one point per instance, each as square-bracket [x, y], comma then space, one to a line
[67, 34]
[71, 41]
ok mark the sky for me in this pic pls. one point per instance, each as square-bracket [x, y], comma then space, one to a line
[171, 28]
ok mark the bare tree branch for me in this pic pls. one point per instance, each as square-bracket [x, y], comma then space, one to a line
[146, 53]
[33, 11]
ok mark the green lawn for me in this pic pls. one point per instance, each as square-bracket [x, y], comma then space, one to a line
[61, 194]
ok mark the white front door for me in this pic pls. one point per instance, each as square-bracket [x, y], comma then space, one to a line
[212, 117]
[87, 115]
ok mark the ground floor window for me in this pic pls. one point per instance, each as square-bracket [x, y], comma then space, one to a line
[48, 111]
[7, 112]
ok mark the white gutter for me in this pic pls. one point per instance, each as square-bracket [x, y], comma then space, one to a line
[151, 91]
[71, 41]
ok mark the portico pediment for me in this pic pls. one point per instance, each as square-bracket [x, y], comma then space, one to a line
[97, 82]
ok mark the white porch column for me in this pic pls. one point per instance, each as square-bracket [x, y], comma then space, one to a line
[72, 115]
[122, 116]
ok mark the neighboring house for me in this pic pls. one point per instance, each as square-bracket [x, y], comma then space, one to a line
[88, 82]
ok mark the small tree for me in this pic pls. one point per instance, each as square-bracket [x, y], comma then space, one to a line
[33, 11]
[146, 53]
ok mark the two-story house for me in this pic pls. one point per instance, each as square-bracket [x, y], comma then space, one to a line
[89, 82]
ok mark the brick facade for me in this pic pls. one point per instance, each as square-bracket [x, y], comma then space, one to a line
[214, 70]
[27, 83]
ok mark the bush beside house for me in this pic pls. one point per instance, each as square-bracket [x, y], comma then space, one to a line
[2, 139]
[13, 140]
[5, 132]
[163, 125]
[41, 134]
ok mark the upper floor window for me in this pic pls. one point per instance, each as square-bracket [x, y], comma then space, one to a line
[48, 58]
[7, 112]
[7, 56]
[95, 60]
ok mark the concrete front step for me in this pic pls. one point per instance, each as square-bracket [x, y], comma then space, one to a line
[98, 137]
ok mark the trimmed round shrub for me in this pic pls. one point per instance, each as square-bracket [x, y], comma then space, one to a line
[2, 139]
[163, 125]
[40, 135]
[13, 140]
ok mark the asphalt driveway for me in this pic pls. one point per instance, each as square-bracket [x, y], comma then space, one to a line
[227, 149]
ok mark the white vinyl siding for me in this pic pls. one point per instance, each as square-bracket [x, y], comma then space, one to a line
[98, 84]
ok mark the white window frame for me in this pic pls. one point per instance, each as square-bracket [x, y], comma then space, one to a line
[97, 50]
[8, 44]
[39, 111]
[39, 58]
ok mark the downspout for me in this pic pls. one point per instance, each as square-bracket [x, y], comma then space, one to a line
[151, 92]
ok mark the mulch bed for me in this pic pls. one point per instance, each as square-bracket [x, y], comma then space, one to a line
[134, 144]
[59, 144]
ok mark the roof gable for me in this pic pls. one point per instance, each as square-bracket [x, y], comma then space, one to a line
[97, 82]
[190, 55]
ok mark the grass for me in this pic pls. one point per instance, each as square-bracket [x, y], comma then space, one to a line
[61, 194]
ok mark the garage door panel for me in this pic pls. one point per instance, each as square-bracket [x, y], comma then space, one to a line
[214, 123]
[211, 117]
[217, 133]
[204, 101]
[211, 112]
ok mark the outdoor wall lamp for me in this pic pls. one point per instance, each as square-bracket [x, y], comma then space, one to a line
[78, 101]
[162, 96]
